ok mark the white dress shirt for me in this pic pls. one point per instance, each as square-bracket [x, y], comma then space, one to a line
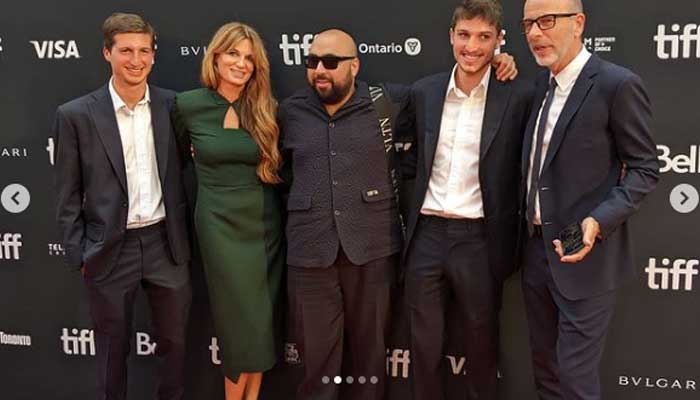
[454, 190]
[566, 78]
[142, 179]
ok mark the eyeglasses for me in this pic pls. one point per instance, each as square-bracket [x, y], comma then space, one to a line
[544, 22]
[329, 61]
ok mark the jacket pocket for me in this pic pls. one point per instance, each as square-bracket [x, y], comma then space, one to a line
[375, 195]
[298, 203]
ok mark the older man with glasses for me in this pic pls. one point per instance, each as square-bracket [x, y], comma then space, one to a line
[588, 161]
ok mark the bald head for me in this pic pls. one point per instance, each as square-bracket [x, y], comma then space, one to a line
[576, 5]
[335, 42]
[568, 5]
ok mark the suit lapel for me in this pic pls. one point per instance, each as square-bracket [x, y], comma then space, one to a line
[102, 112]
[160, 119]
[540, 92]
[583, 85]
[434, 103]
[496, 105]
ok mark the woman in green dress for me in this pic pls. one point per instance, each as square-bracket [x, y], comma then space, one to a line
[230, 123]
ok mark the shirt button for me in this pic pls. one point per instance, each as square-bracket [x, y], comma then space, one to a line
[331, 125]
[333, 153]
[336, 212]
[335, 183]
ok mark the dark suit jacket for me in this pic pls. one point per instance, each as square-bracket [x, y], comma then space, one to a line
[91, 180]
[605, 125]
[335, 172]
[505, 116]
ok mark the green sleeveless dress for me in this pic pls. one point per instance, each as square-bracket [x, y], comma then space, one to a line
[238, 224]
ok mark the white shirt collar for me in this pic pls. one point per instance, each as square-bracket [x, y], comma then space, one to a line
[567, 76]
[119, 103]
[479, 90]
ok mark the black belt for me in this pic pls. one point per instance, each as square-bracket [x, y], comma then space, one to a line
[146, 230]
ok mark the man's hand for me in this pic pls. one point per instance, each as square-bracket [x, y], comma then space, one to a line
[506, 70]
[82, 270]
[591, 230]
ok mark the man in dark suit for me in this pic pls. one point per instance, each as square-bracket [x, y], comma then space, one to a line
[588, 161]
[121, 208]
[463, 223]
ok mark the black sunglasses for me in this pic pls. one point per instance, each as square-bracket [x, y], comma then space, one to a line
[329, 61]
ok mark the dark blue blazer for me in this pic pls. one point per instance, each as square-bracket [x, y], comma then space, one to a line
[91, 180]
[601, 162]
[505, 117]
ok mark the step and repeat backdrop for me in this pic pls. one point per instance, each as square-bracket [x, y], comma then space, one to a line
[50, 52]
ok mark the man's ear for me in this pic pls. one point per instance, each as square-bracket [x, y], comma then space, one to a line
[355, 66]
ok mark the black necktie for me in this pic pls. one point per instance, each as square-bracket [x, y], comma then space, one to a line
[537, 159]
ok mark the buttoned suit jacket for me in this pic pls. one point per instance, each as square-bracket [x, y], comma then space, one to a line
[601, 162]
[505, 117]
[337, 186]
[91, 181]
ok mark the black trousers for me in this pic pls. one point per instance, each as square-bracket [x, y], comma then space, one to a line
[567, 337]
[144, 261]
[340, 315]
[448, 259]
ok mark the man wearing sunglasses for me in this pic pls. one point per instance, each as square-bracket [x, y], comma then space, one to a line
[343, 228]
[463, 222]
[588, 161]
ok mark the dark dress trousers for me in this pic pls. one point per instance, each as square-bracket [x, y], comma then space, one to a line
[466, 259]
[343, 239]
[92, 214]
[601, 162]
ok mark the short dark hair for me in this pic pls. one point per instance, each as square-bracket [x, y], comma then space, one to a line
[125, 23]
[490, 10]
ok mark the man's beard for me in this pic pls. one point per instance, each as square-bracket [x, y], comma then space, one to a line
[335, 93]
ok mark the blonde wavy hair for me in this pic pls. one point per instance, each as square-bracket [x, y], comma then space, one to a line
[258, 106]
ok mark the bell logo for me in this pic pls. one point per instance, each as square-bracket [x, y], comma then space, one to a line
[689, 38]
[670, 278]
[293, 51]
[55, 49]
[9, 246]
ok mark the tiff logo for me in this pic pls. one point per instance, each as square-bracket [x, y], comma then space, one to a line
[689, 38]
[9, 246]
[55, 49]
[293, 51]
[397, 359]
[81, 342]
[681, 269]
[78, 342]
[50, 149]
[214, 347]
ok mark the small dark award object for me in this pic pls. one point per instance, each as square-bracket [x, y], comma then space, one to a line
[571, 238]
